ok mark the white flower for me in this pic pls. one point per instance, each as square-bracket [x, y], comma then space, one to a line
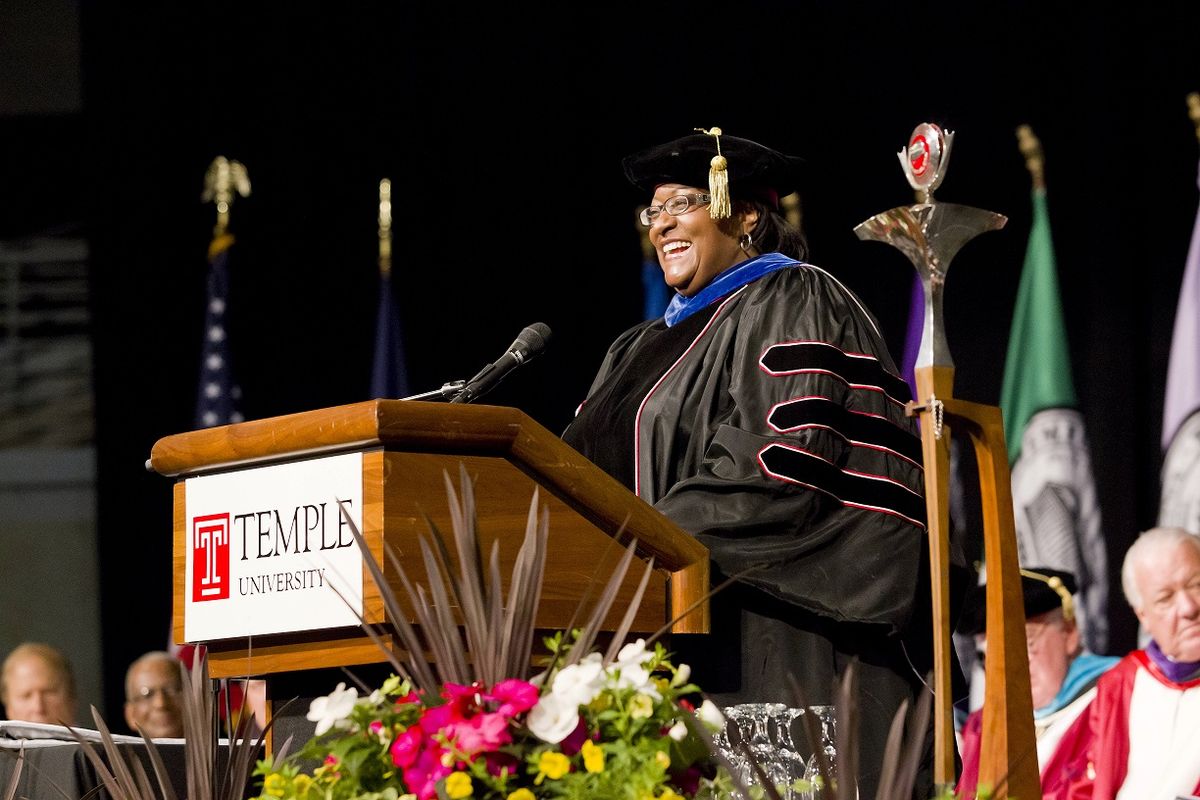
[682, 673]
[629, 672]
[710, 715]
[553, 718]
[678, 731]
[633, 653]
[579, 682]
[332, 710]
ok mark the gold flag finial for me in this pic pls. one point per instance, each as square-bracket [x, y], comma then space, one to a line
[224, 180]
[385, 228]
[1193, 102]
[1035, 162]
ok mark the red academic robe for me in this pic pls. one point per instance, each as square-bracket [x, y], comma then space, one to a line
[1108, 750]
[1065, 762]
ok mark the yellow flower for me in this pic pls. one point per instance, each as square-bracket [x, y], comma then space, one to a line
[275, 785]
[662, 758]
[667, 794]
[553, 766]
[601, 702]
[458, 785]
[521, 794]
[300, 784]
[641, 706]
[593, 756]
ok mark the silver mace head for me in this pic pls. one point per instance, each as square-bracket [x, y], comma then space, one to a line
[929, 233]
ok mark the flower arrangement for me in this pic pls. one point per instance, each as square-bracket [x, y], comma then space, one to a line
[591, 724]
[582, 731]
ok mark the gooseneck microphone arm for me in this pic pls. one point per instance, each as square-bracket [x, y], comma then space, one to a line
[531, 341]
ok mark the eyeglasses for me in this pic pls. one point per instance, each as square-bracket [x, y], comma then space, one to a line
[146, 694]
[679, 204]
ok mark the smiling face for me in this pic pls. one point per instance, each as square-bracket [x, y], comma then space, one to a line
[1168, 579]
[693, 248]
[153, 690]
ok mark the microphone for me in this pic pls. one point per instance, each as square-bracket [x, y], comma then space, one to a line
[528, 344]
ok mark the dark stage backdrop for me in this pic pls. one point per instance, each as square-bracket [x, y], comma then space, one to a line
[502, 129]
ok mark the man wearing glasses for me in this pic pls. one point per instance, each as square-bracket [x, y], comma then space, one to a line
[153, 685]
[1062, 679]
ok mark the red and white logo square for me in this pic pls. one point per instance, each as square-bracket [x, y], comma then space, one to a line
[210, 557]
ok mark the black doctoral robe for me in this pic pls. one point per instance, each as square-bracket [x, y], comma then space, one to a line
[770, 424]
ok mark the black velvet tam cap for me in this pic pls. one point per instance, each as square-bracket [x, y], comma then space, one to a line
[755, 171]
[1043, 589]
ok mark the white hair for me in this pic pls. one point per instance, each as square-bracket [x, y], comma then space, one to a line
[1150, 541]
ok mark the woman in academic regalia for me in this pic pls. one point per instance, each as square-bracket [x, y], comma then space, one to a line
[764, 415]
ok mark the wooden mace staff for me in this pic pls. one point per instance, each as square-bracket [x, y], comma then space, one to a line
[931, 234]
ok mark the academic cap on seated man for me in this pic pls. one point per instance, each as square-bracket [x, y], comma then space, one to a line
[1062, 678]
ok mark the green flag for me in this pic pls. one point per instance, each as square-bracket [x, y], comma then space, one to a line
[1054, 496]
[1037, 370]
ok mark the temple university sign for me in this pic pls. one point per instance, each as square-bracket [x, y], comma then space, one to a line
[268, 550]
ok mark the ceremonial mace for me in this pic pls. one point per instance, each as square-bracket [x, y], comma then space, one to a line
[931, 234]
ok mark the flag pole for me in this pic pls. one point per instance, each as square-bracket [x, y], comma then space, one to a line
[385, 228]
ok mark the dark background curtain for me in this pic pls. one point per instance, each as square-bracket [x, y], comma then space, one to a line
[502, 129]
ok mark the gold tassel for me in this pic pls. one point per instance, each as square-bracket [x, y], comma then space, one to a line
[718, 180]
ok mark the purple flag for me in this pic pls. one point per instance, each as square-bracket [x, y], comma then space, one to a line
[912, 337]
[1180, 504]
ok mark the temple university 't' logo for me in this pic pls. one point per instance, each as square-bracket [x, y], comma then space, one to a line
[210, 557]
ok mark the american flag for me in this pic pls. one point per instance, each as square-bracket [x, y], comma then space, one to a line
[389, 375]
[218, 395]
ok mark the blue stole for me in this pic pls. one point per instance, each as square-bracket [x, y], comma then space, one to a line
[1082, 673]
[680, 307]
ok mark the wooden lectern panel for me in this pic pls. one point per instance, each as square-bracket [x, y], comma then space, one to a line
[407, 447]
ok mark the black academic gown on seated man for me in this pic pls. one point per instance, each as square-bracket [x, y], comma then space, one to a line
[770, 424]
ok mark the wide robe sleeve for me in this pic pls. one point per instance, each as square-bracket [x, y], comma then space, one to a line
[800, 464]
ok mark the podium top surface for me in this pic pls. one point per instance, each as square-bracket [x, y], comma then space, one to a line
[408, 425]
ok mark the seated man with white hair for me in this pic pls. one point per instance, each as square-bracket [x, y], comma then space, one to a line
[1145, 719]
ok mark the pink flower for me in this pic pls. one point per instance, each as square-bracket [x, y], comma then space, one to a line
[422, 777]
[481, 733]
[514, 697]
[439, 717]
[407, 747]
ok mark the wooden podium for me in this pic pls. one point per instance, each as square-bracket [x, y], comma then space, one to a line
[406, 447]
